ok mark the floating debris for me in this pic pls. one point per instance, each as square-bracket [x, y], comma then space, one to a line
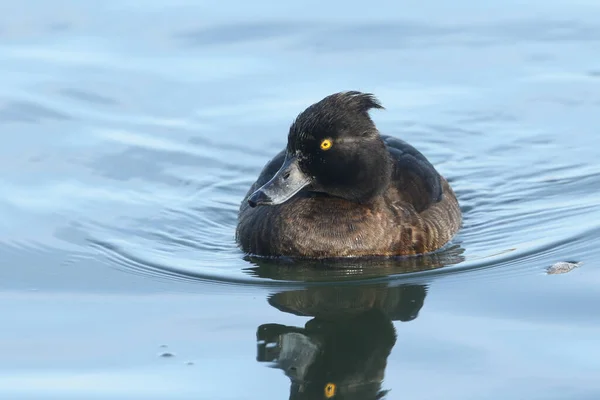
[562, 267]
[189, 363]
[163, 346]
[167, 355]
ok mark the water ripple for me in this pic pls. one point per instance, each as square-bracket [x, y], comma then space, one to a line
[143, 160]
[186, 233]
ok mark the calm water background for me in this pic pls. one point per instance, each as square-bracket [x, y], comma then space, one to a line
[132, 129]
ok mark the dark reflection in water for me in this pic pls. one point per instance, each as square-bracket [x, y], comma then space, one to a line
[342, 352]
[358, 268]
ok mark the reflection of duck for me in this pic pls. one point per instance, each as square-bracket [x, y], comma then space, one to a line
[340, 189]
[342, 352]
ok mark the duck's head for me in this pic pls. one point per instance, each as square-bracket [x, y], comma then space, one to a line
[334, 148]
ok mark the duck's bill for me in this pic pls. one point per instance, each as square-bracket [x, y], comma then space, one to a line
[288, 181]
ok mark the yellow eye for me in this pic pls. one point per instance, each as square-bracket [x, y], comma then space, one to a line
[326, 144]
[330, 390]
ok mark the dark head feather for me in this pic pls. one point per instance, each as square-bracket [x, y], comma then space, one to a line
[339, 113]
[361, 102]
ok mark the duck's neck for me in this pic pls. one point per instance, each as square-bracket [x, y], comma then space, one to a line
[370, 179]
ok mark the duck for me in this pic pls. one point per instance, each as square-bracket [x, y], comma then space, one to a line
[341, 189]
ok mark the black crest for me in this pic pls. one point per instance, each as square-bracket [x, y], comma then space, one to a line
[335, 113]
[358, 101]
[352, 101]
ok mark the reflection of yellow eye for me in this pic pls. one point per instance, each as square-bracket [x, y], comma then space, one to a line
[330, 390]
[326, 144]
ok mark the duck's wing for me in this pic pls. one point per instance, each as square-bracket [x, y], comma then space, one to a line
[414, 176]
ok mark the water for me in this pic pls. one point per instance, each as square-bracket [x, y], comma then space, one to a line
[132, 129]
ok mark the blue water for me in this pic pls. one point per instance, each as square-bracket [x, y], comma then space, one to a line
[132, 129]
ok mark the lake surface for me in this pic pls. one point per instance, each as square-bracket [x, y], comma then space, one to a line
[132, 129]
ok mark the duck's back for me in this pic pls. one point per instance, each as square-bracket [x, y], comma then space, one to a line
[417, 188]
[418, 213]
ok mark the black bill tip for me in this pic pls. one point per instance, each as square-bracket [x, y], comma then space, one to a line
[259, 198]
